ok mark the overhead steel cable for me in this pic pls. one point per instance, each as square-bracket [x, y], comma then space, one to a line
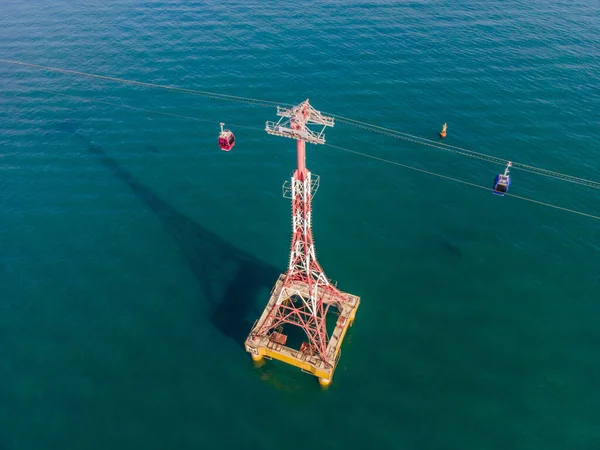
[352, 122]
[457, 180]
[215, 95]
[366, 155]
[465, 152]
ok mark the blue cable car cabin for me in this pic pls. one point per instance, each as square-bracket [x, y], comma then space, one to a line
[502, 181]
[501, 184]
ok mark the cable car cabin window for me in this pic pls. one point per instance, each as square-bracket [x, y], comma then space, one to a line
[231, 139]
[501, 187]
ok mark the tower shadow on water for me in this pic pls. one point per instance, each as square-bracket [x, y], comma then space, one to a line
[230, 278]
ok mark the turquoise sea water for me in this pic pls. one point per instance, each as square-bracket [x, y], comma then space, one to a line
[135, 255]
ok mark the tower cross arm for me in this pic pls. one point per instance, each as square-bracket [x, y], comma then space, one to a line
[284, 130]
[306, 113]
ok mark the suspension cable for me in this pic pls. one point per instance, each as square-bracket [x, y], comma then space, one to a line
[465, 152]
[395, 163]
[247, 100]
[365, 155]
[149, 111]
[352, 122]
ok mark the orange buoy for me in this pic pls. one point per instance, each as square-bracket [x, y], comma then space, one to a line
[443, 132]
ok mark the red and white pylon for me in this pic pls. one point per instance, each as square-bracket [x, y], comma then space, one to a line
[307, 293]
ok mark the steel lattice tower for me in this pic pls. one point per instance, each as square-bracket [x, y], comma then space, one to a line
[303, 295]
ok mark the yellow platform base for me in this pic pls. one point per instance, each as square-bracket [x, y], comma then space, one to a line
[266, 346]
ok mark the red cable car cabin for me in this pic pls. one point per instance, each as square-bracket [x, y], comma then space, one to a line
[226, 139]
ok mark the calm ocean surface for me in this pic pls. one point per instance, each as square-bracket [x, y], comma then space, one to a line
[135, 255]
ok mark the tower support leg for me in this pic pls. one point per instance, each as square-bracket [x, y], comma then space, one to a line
[302, 298]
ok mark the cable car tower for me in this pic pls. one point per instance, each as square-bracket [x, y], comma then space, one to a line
[302, 296]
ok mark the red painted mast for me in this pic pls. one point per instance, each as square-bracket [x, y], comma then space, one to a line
[307, 293]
